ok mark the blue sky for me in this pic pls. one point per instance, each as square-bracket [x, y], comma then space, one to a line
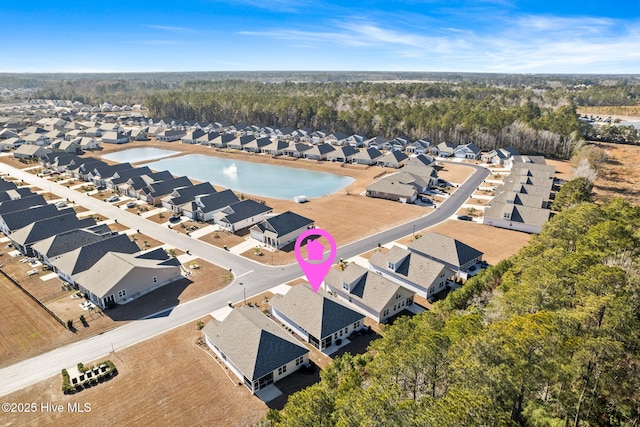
[560, 36]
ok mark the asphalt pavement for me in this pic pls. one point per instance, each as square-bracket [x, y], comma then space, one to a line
[256, 278]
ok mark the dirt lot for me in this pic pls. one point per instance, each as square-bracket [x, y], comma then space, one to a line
[496, 243]
[26, 328]
[619, 175]
[193, 391]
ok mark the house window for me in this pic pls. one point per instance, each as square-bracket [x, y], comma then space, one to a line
[398, 295]
[340, 332]
[300, 360]
[122, 293]
[385, 313]
[356, 325]
[345, 286]
[391, 266]
[282, 370]
[507, 215]
[155, 279]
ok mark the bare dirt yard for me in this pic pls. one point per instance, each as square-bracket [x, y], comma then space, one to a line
[619, 175]
[167, 380]
[496, 243]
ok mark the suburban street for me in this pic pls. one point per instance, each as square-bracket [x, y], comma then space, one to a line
[255, 277]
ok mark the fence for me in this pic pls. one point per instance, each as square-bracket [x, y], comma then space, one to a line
[33, 298]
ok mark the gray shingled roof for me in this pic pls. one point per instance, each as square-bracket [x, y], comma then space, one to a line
[286, 222]
[18, 219]
[446, 249]
[313, 312]
[114, 267]
[215, 201]
[372, 289]
[68, 241]
[45, 228]
[245, 209]
[414, 267]
[252, 342]
[82, 258]
[22, 203]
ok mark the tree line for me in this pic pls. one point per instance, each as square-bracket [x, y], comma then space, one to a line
[548, 337]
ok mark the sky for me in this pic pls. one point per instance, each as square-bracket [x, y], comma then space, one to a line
[501, 36]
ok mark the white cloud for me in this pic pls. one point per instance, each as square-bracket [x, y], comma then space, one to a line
[531, 43]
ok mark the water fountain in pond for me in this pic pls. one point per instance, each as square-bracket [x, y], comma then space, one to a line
[230, 170]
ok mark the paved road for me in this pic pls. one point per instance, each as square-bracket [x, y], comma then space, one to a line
[255, 277]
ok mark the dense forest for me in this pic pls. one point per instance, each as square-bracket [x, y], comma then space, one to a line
[536, 114]
[548, 337]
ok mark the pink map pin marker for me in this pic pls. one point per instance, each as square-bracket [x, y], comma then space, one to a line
[315, 271]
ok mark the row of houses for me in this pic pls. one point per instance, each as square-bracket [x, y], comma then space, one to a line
[106, 266]
[267, 352]
[523, 202]
[182, 197]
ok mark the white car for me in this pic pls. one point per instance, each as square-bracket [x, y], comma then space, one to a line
[113, 199]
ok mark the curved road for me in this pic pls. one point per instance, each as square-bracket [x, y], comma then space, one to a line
[256, 278]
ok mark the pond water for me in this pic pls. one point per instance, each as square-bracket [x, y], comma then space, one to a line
[278, 182]
[142, 154]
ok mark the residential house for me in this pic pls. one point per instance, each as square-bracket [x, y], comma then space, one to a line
[135, 184]
[37, 139]
[169, 135]
[368, 293]
[155, 191]
[11, 143]
[192, 137]
[98, 175]
[139, 133]
[413, 271]
[80, 259]
[453, 253]
[222, 140]
[318, 152]
[66, 146]
[257, 145]
[265, 353]
[420, 146]
[376, 142]
[118, 278]
[356, 140]
[23, 238]
[275, 148]
[420, 160]
[316, 318]
[336, 138]
[122, 176]
[280, 230]
[59, 244]
[8, 133]
[28, 151]
[180, 196]
[18, 204]
[516, 217]
[467, 151]
[370, 156]
[404, 186]
[241, 215]
[342, 154]
[240, 142]
[499, 156]
[203, 208]
[297, 150]
[207, 138]
[14, 194]
[10, 222]
[113, 137]
[82, 168]
[393, 159]
[87, 144]
[444, 149]
[285, 133]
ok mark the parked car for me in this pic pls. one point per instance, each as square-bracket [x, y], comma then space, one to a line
[465, 218]
[131, 204]
[113, 199]
[61, 205]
